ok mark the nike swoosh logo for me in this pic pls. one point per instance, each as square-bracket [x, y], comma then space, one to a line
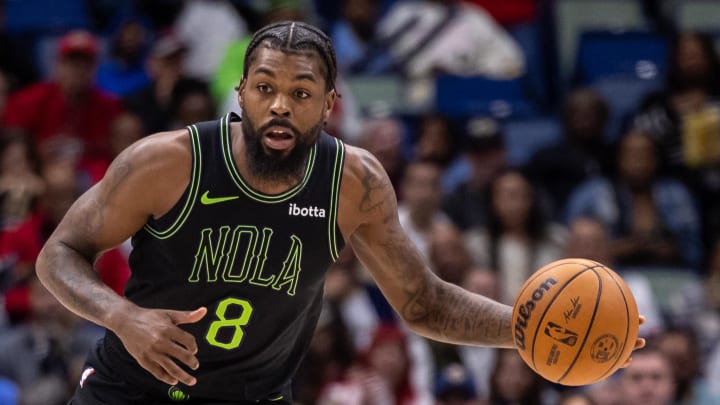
[205, 200]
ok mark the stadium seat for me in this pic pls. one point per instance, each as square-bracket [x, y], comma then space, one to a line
[627, 54]
[524, 137]
[575, 16]
[44, 16]
[623, 95]
[457, 96]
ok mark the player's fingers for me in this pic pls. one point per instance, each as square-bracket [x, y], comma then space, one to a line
[639, 343]
[627, 363]
[175, 371]
[642, 319]
[158, 372]
[180, 317]
[184, 339]
[182, 354]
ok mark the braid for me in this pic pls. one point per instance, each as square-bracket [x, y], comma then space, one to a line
[294, 36]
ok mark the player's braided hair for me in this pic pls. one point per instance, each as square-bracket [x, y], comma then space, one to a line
[294, 36]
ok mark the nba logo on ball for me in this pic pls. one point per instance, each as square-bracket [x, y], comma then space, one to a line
[575, 322]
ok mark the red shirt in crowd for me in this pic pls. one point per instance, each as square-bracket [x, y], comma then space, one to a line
[20, 246]
[43, 111]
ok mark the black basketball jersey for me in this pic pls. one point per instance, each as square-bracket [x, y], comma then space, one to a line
[256, 261]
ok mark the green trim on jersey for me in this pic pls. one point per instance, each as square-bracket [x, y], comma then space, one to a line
[334, 198]
[192, 195]
[244, 187]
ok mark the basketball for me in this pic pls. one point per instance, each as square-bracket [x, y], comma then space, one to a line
[575, 322]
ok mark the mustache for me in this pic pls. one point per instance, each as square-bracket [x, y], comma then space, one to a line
[277, 122]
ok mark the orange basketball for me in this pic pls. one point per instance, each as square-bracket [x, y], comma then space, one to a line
[575, 322]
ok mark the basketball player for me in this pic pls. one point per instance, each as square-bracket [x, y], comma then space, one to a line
[233, 224]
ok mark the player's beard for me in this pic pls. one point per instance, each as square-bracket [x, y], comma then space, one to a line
[270, 164]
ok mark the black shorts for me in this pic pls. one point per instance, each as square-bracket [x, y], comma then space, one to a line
[99, 385]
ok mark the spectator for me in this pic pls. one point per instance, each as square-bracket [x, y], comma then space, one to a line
[329, 357]
[648, 379]
[590, 239]
[454, 386]
[684, 119]
[191, 103]
[381, 376]
[419, 211]
[693, 80]
[362, 307]
[575, 398]
[20, 181]
[485, 156]
[349, 290]
[153, 103]
[517, 239]
[653, 220]
[74, 111]
[514, 383]
[449, 256]
[124, 130]
[26, 239]
[437, 140]
[207, 27]
[607, 391]
[44, 357]
[124, 71]
[581, 154]
[355, 33]
[450, 260]
[384, 137]
[448, 36]
[681, 348]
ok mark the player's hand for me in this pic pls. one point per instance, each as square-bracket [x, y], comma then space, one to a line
[639, 344]
[153, 338]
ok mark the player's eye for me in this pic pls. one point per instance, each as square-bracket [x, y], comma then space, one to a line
[263, 88]
[302, 94]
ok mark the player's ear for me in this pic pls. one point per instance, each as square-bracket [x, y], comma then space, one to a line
[330, 98]
[241, 89]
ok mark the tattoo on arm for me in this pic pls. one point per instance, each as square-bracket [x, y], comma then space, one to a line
[445, 311]
[375, 188]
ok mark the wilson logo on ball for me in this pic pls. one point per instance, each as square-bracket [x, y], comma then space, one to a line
[526, 309]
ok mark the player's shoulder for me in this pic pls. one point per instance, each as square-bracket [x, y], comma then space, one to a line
[160, 155]
[161, 147]
[364, 177]
[360, 162]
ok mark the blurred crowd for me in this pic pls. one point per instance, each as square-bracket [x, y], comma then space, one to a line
[638, 191]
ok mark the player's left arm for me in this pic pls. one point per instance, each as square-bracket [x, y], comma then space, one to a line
[431, 307]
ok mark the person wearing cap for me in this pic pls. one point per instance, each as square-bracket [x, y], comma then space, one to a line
[454, 386]
[67, 114]
[153, 103]
[484, 156]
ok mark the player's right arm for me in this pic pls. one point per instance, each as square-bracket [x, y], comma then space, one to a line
[144, 180]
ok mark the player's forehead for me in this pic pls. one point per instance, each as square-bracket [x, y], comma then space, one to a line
[287, 64]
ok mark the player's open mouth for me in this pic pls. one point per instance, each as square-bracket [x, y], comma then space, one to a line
[279, 138]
